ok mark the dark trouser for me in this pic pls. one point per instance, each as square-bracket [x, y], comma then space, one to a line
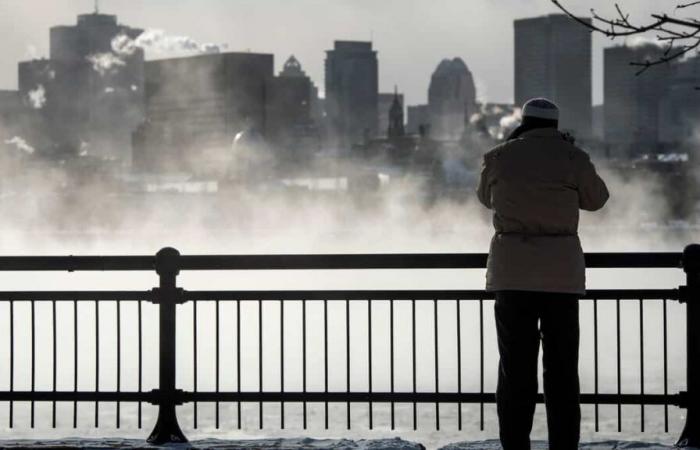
[517, 315]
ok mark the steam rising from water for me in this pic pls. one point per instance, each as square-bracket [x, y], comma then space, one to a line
[20, 144]
[104, 63]
[159, 42]
[37, 97]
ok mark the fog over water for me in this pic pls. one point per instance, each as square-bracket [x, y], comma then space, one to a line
[393, 221]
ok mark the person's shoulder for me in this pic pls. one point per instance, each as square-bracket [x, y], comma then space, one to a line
[496, 151]
[578, 154]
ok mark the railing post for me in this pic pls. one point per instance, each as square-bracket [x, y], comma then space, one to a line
[691, 265]
[167, 429]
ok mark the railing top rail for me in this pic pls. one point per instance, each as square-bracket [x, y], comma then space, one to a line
[314, 262]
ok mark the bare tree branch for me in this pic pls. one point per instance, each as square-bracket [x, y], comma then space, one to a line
[680, 35]
[687, 5]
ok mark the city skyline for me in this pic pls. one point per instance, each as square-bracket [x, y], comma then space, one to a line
[409, 45]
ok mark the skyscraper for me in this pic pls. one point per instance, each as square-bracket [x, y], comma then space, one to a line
[352, 91]
[91, 97]
[292, 101]
[553, 60]
[195, 107]
[632, 102]
[451, 99]
[680, 110]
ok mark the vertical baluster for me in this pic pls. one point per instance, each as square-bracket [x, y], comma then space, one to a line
[260, 361]
[33, 374]
[459, 364]
[303, 356]
[238, 360]
[641, 360]
[369, 357]
[481, 363]
[119, 360]
[12, 359]
[140, 320]
[53, 360]
[75, 361]
[97, 361]
[665, 345]
[413, 352]
[218, 370]
[282, 362]
[619, 379]
[391, 357]
[347, 355]
[437, 367]
[325, 357]
[194, 357]
[595, 361]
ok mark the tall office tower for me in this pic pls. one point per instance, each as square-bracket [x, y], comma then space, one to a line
[385, 103]
[352, 91]
[632, 102]
[451, 99]
[292, 69]
[292, 103]
[680, 110]
[553, 60]
[195, 106]
[91, 97]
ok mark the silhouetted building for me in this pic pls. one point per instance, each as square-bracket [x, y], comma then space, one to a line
[91, 98]
[292, 102]
[418, 118]
[632, 102]
[396, 126]
[680, 108]
[385, 102]
[451, 99]
[292, 69]
[12, 111]
[598, 122]
[195, 106]
[352, 91]
[553, 60]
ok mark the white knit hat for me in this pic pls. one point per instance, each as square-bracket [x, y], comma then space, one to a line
[541, 108]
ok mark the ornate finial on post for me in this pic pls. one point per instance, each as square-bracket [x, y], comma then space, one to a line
[690, 437]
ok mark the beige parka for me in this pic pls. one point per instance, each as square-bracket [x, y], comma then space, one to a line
[535, 185]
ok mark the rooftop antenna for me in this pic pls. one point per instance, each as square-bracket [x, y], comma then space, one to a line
[97, 6]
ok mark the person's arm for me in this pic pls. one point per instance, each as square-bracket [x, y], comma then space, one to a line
[483, 192]
[592, 191]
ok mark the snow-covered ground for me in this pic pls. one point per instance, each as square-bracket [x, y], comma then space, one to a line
[290, 444]
[305, 443]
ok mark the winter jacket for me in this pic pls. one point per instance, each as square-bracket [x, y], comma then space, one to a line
[536, 185]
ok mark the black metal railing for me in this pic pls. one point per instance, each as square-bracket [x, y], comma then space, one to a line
[168, 263]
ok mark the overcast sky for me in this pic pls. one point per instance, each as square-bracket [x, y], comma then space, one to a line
[412, 36]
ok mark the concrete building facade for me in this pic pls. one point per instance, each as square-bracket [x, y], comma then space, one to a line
[195, 106]
[90, 98]
[553, 60]
[352, 89]
[451, 99]
[632, 101]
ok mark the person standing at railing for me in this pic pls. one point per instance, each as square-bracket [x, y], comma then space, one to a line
[535, 183]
